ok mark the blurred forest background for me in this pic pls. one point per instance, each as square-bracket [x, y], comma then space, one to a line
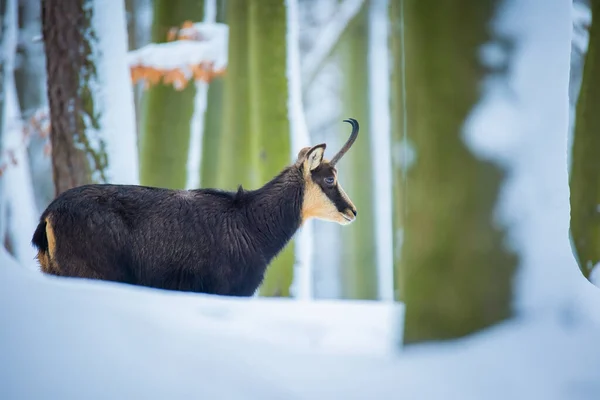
[217, 93]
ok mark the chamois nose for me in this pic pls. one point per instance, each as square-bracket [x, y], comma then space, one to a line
[354, 212]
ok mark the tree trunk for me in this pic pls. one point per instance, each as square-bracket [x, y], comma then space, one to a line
[3, 39]
[399, 147]
[131, 7]
[68, 38]
[235, 157]
[358, 261]
[269, 121]
[4, 21]
[456, 273]
[211, 139]
[30, 78]
[138, 35]
[213, 124]
[167, 113]
[585, 172]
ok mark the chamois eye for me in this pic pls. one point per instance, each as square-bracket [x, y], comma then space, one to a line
[329, 180]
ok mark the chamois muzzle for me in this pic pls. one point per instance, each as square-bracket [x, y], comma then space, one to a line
[348, 144]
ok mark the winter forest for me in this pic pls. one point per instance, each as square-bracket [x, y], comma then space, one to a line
[471, 270]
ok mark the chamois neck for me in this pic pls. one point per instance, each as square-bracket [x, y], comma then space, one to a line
[275, 208]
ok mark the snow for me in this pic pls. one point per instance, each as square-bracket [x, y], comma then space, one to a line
[72, 338]
[184, 54]
[302, 285]
[379, 99]
[114, 96]
[595, 275]
[117, 341]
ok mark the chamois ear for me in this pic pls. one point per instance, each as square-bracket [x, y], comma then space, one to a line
[314, 156]
[302, 155]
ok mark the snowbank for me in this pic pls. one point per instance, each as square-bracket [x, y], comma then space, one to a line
[73, 339]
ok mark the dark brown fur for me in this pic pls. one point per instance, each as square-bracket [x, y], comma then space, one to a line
[202, 240]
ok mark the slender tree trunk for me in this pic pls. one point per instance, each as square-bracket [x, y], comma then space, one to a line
[236, 162]
[456, 273]
[3, 39]
[68, 38]
[30, 75]
[398, 148]
[269, 121]
[213, 124]
[167, 113]
[585, 170]
[17, 203]
[4, 20]
[30, 78]
[138, 36]
[211, 139]
[131, 7]
[359, 265]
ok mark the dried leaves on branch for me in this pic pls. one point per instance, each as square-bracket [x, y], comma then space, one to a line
[195, 51]
[38, 124]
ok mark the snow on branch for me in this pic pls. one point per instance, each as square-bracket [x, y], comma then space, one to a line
[196, 51]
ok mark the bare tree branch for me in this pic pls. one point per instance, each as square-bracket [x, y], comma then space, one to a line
[328, 40]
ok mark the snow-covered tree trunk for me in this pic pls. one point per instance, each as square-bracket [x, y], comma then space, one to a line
[166, 113]
[4, 49]
[139, 20]
[21, 213]
[359, 266]
[17, 207]
[113, 92]
[30, 78]
[398, 147]
[198, 123]
[4, 19]
[379, 83]
[302, 286]
[213, 123]
[322, 27]
[90, 98]
[457, 271]
[585, 169]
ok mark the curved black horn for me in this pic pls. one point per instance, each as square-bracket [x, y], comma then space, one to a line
[349, 143]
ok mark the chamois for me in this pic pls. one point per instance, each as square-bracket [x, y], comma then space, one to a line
[201, 240]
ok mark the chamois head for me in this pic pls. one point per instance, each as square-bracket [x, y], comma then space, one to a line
[324, 197]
